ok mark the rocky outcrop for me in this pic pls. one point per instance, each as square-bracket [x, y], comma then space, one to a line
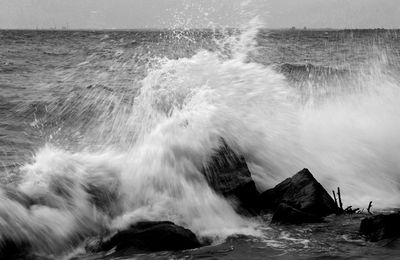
[150, 236]
[301, 195]
[227, 173]
[381, 226]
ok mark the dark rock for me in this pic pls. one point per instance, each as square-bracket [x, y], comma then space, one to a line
[149, 236]
[227, 173]
[10, 249]
[286, 214]
[379, 227]
[301, 192]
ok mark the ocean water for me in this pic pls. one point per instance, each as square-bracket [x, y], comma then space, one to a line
[136, 114]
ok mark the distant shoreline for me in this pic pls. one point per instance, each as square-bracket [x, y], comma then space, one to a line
[194, 29]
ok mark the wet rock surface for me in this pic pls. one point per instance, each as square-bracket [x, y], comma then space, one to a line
[150, 236]
[10, 249]
[228, 174]
[381, 226]
[299, 199]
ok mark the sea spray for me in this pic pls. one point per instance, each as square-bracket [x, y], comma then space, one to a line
[350, 137]
[184, 108]
[58, 212]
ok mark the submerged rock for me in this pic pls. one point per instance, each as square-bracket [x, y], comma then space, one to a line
[227, 173]
[14, 250]
[151, 236]
[301, 195]
[286, 214]
[381, 226]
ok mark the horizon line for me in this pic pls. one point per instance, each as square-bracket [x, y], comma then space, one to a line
[189, 29]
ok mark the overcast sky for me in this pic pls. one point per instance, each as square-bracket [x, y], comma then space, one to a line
[122, 14]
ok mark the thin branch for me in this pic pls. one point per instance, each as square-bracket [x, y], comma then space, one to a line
[334, 196]
[340, 199]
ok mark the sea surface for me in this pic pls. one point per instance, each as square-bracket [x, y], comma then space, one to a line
[136, 113]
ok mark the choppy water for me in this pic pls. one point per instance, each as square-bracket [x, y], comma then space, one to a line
[136, 114]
